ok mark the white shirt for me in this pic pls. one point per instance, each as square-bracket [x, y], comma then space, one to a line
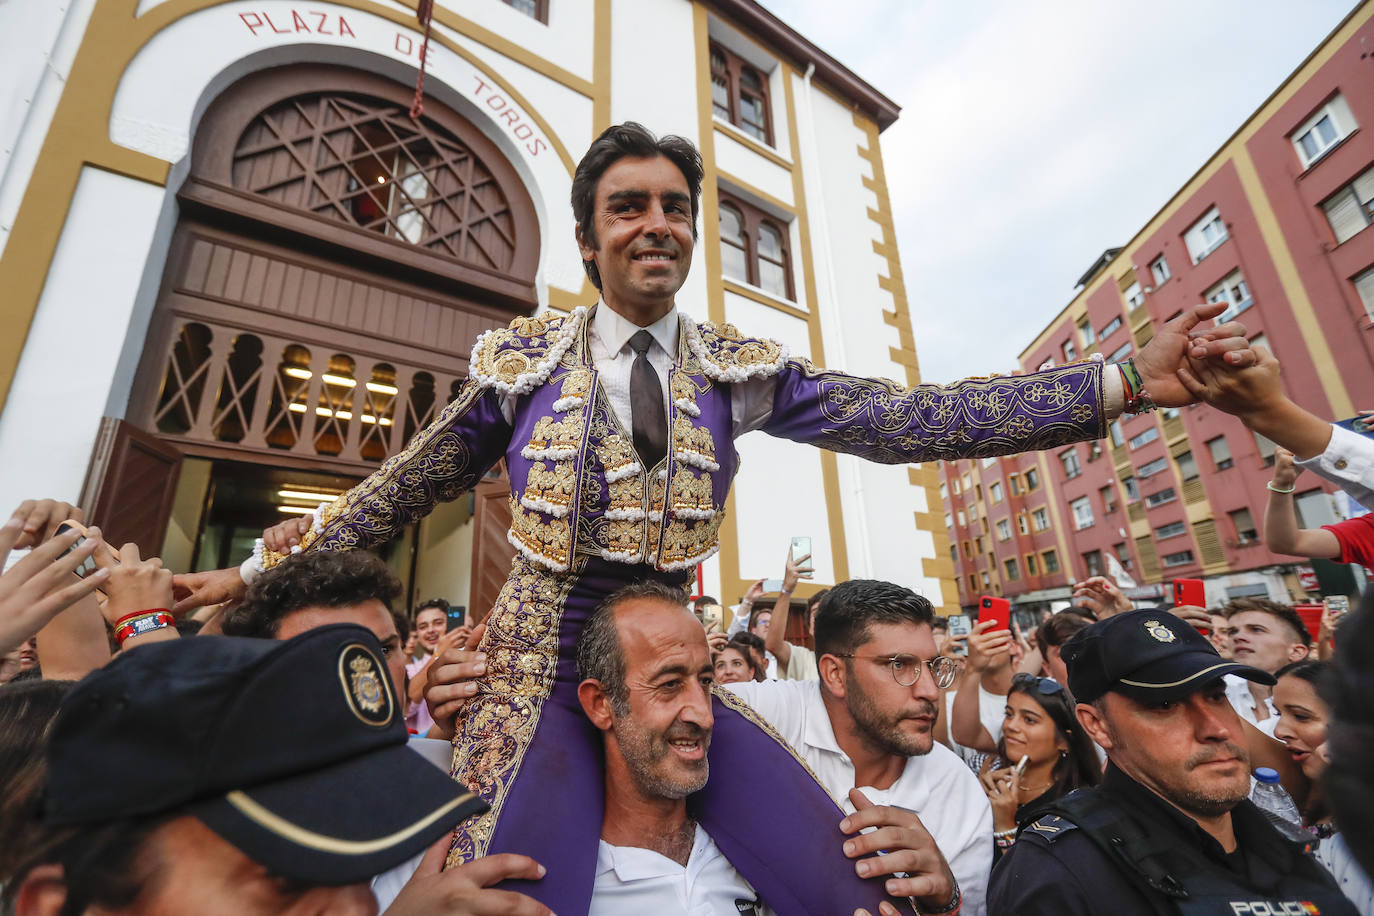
[992, 711]
[418, 717]
[1348, 462]
[1238, 692]
[608, 338]
[636, 882]
[1334, 854]
[936, 786]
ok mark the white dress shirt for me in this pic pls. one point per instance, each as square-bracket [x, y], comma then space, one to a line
[1238, 692]
[608, 338]
[937, 786]
[634, 882]
[1347, 462]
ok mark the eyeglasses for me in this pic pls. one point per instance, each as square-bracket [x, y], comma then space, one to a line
[906, 669]
[1046, 685]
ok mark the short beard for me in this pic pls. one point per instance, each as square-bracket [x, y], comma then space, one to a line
[878, 732]
[643, 751]
[1189, 799]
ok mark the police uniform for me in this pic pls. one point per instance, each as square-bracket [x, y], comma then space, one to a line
[1122, 849]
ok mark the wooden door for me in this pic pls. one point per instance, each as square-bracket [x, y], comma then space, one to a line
[492, 552]
[130, 485]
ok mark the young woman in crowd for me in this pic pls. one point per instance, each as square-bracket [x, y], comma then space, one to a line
[736, 664]
[1039, 725]
[1303, 716]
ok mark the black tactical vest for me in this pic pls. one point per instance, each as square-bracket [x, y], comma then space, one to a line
[1180, 880]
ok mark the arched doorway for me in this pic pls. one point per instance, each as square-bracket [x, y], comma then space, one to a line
[332, 263]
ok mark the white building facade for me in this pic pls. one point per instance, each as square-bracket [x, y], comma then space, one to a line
[237, 275]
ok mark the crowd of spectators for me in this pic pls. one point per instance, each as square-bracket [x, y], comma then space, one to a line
[289, 751]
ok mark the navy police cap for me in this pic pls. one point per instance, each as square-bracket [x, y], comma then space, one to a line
[294, 751]
[1150, 656]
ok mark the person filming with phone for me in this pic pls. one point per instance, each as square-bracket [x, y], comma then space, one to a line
[795, 663]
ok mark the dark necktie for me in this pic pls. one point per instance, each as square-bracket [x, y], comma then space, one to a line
[650, 424]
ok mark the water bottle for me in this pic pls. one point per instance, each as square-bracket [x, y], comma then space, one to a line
[1270, 797]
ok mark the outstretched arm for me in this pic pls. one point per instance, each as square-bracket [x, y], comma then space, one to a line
[442, 461]
[1281, 531]
[776, 641]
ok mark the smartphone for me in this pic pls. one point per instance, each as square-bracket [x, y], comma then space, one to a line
[712, 618]
[456, 617]
[1311, 615]
[998, 609]
[87, 567]
[960, 625]
[772, 585]
[801, 547]
[1362, 425]
[1336, 604]
[1189, 592]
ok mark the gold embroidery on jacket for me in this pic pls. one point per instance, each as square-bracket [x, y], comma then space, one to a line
[547, 540]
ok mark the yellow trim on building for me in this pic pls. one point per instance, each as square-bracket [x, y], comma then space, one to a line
[762, 298]
[749, 142]
[776, 203]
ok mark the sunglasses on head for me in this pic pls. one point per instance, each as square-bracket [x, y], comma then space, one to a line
[1045, 685]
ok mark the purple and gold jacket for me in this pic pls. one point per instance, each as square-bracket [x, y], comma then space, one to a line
[578, 488]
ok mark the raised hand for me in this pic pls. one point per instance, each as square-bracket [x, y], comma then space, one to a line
[282, 536]
[1101, 596]
[202, 589]
[987, 650]
[1181, 340]
[42, 584]
[451, 679]
[40, 520]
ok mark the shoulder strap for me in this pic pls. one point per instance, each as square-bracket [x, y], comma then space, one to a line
[1148, 861]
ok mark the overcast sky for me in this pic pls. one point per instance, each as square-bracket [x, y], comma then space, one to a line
[1035, 135]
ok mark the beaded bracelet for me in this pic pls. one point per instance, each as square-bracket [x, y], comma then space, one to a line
[1137, 398]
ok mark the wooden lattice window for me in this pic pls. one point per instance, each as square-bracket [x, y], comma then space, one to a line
[362, 161]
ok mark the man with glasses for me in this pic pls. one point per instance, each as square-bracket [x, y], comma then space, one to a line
[865, 730]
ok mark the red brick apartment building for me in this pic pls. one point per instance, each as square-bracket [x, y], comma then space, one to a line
[1273, 225]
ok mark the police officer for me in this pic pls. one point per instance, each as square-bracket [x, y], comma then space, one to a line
[1170, 830]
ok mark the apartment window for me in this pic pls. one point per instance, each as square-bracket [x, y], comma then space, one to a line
[1221, 452]
[1123, 554]
[968, 482]
[944, 490]
[1069, 459]
[968, 550]
[962, 520]
[1120, 353]
[1142, 438]
[1364, 285]
[954, 553]
[1265, 447]
[1014, 484]
[1320, 133]
[1004, 530]
[978, 544]
[1352, 207]
[1070, 354]
[1160, 497]
[1032, 479]
[1013, 569]
[1135, 297]
[1041, 519]
[1085, 334]
[1032, 567]
[973, 510]
[1082, 513]
[1021, 523]
[1051, 558]
[986, 581]
[1132, 491]
[954, 486]
[1114, 429]
[949, 520]
[1171, 530]
[1108, 495]
[1233, 292]
[1314, 509]
[535, 9]
[1093, 561]
[1152, 468]
[1246, 532]
[754, 247]
[739, 93]
[1182, 558]
[1203, 237]
[995, 490]
[1109, 328]
[1159, 269]
[1187, 467]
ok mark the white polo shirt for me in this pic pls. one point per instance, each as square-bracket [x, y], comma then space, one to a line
[633, 882]
[1238, 692]
[937, 786]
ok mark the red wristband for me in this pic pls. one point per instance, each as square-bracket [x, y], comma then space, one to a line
[152, 610]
